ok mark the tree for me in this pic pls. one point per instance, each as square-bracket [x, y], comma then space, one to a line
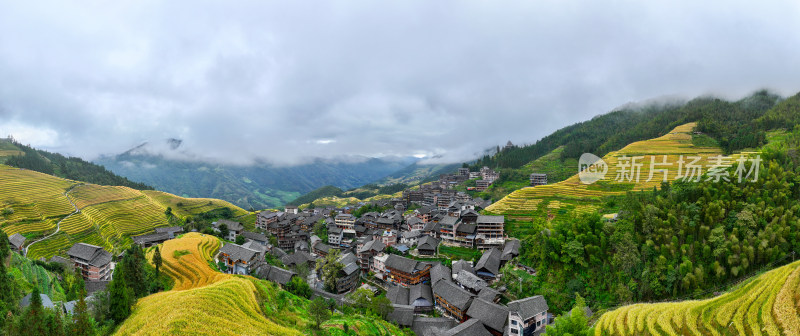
[168, 212]
[381, 306]
[330, 268]
[223, 231]
[134, 272]
[82, 325]
[572, 324]
[157, 261]
[298, 286]
[319, 312]
[240, 240]
[120, 298]
[361, 299]
[31, 321]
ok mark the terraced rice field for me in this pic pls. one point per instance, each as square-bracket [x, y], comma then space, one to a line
[766, 305]
[89, 194]
[529, 201]
[36, 194]
[109, 215]
[190, 270]
[182, 206]
[119, 220]
[203, 302]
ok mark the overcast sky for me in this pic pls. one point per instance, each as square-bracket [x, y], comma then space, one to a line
[286, 80]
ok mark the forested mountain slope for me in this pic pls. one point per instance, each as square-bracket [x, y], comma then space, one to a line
[672, 240]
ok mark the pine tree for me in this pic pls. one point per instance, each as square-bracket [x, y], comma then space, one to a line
[157, 261]
[119, 297]
[82, 325]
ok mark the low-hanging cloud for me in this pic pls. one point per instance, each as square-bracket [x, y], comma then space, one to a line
[284, 81]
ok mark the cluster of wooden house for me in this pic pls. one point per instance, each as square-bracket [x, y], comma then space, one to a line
[462, 293]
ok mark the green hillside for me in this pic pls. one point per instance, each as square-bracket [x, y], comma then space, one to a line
[676, 240]
[38, 205]
[17, 155]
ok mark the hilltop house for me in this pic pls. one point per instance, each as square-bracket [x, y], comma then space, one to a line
[172, 231]
[538, 179]
[239, 259]
[93, 261]
[17, 241]
[150, 239]
[527, 316]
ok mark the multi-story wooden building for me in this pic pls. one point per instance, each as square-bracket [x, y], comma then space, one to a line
[94, 262]
[453, 300]
[406, 271]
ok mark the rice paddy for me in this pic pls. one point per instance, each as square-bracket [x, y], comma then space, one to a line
[766, 305]
[32, 204]
[569, 197]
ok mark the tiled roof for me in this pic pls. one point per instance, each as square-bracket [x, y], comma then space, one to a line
[93, 255]
[470, 280]
[150, 238]
[403, 315]
[403, 264]
[397, 295]
[237, 252]
[453, 294]
[16, 240]
[529, 307]
[440, 272]
[492, 315]
[473, 327]
[489, 262]
[462, 265]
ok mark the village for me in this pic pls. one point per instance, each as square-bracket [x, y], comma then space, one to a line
[391, 250]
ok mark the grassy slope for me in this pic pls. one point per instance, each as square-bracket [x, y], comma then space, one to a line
[109, 214]
[765, 305]
[560, 201]
[206, 302]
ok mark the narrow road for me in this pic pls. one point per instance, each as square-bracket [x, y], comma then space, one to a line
[58, 225]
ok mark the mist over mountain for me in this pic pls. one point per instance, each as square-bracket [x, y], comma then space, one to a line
[172, 167]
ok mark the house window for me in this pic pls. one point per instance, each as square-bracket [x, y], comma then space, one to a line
[538, 323]
[513, 322]
[515, 331]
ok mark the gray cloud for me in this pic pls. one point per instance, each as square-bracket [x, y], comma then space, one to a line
[283, 81]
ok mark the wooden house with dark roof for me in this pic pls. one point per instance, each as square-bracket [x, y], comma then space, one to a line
[94, 262]
[488, 266]
[427, 246]
[406, 271]
[452, 299]
[493, 316]
[239, 259]
[17, 241]
[473, 327]
[527, 316]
